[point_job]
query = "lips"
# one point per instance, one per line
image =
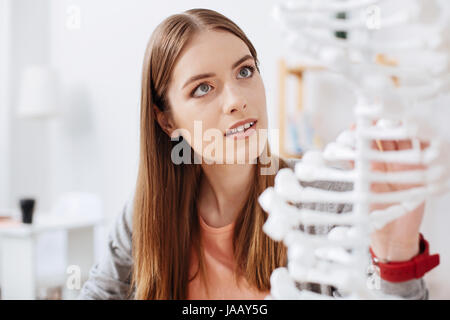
(240, 126)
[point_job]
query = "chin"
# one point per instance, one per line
(247, 154)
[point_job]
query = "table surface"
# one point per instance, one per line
(47, 222)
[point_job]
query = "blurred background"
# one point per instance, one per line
(70, 76)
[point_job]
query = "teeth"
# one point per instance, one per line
(240, 128)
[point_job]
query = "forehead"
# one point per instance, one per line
(208, 51)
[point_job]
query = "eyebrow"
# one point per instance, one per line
(207, 75)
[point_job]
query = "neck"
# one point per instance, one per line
(223, 191)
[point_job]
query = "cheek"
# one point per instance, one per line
(207, 130)
(258, 102)
(196, 125)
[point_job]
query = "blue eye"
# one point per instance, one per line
(245, 71)
(203, 88)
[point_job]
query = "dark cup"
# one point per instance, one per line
(27, 207)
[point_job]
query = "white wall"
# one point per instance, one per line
(29, 143)
(5, 47)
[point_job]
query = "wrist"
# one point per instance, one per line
(416, 267)
(394, 250)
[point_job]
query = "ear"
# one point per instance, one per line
(164, 121)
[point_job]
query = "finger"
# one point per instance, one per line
(390, 145)
(424, 144)
(381, 187)
(381, 206)
(404, 144)
(394, 166)
(352, 164)
(384, 145)
(408, 144)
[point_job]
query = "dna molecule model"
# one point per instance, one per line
(397, 65)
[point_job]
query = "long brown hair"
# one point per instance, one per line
(165, 222)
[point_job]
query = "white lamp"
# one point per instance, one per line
(39, 92)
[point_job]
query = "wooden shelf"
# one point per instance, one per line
(284, 72)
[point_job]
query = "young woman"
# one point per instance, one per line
(193, 229)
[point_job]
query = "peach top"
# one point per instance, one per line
(219, 263)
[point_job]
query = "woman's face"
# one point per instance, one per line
(215, 86)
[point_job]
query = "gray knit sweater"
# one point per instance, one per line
(110, 278)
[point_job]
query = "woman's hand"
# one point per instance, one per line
(399, 239)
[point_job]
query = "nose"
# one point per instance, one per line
(234, 100)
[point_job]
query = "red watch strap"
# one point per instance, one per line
(407, 270)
